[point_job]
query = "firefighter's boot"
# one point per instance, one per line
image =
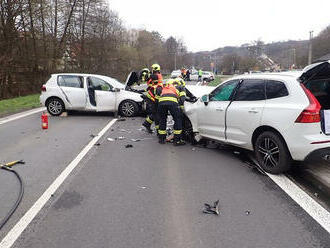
(147, 126)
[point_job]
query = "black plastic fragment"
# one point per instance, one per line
(208, 209)
(129, 146)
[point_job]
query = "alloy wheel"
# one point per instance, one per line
(55, 107)
(128, 109)
(270, 152)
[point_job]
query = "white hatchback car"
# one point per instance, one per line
(89, 92)
(280, 116)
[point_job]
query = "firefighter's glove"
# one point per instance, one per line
(144, 97)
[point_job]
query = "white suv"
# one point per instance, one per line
(281, 116)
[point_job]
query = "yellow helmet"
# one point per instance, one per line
(180, 81)
(155, 67)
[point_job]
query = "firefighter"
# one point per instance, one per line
(144, 75)
(155, 81)
(171, 96)
(182, 84)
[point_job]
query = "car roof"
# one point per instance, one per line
(271, 75)
(114, 80)
(80, 74)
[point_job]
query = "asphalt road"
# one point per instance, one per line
(149, 195)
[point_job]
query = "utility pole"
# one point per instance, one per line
(294, 57)
(175, 60)
(310, 47)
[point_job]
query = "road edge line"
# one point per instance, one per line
(28, 217)
(21, 115)
(313, 208)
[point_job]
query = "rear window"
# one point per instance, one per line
(70, 81)
(275, 89)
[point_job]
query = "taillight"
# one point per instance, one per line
(43, 88)
(312, 113)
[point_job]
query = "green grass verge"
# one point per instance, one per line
(18, 104)
(219, 79)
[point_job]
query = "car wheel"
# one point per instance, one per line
(128, 108)
(271, 153)
(55, 106)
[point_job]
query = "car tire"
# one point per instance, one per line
(272, 153)
(55, 106)
(128, 108)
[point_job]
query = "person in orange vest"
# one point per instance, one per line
(155, 81)
(171, 96)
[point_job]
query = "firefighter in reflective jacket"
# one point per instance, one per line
(155, 81)
(170, 97)
(182, 84)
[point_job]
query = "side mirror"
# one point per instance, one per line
(115, 90)
(205, 99)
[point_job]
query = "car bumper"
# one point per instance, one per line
(301, 144)
(319, 154)
(42, 99)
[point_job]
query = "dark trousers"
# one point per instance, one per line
(153, 116)
(175, 111)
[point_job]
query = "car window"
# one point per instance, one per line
(275, 89)
(251, 90)
(224, 91)
(98, 84)
(70, 81)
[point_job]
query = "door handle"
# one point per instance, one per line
(253, 111)
(219, 109)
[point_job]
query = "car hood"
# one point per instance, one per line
(132, 78)
(319, 70)
(199, 91)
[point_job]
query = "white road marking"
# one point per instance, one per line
(22, 224)
(21, 115)
(314, 209)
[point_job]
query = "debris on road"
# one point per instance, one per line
(110, 139)
(247, 212)
(93, 135)
(170, 139)
(120, 138)
(124, 130)
(212, 209)
(143, 187)
(193, 149)
(137, 140)
(129, 146)
(97, 144)
(121, 119)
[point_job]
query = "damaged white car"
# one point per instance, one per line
(89, 92)
(280, 116)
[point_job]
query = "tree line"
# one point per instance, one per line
(40, 37)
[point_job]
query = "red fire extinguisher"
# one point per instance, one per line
(44, 121)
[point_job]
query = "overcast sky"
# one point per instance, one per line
(210, 24)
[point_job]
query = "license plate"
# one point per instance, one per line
(326, 121)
